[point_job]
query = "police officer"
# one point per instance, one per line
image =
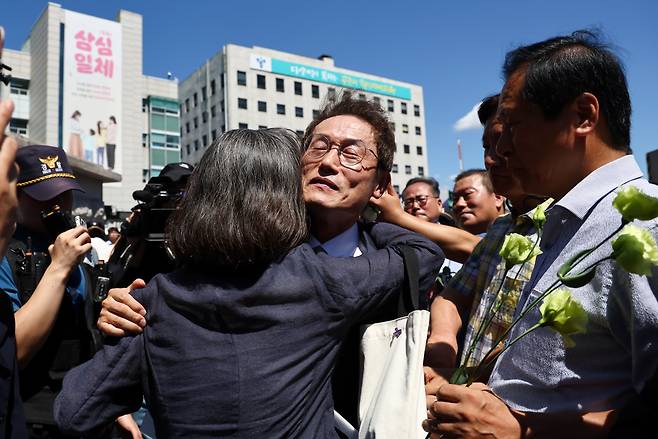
(42, 277)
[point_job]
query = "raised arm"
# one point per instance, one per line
(457, 244)
(36, 318)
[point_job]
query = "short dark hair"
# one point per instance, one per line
(561, 68)
(112, 229)
(486, 180)
(244, 203)
(431, 182)
(370, 112)
(488, 108)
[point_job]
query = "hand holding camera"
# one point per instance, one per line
(69, 248)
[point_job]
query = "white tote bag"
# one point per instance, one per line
(392, 401)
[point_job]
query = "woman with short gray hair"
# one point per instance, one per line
(243, 337)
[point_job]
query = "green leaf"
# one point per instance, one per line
(460, 376)
(578, 280)
(567, 265)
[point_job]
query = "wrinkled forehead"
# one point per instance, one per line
(471, 182)
(511, 92)
(346, 126)
(416, 189)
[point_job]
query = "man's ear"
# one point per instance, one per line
(587, 110)
(500, 201)
(383, 179)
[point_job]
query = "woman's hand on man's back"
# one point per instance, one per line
(121, 314)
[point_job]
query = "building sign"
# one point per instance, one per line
(91, 101)
(267, 64)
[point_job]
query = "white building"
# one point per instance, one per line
(242, 87)
(68, 53)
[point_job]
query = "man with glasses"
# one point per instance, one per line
(348, 156)
(421, 198)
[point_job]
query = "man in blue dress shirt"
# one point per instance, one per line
(565, 111)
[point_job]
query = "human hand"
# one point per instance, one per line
(128, 428)
(388, 204)
(434, 379)
(121, 313)
(471, 412)
(69, 248)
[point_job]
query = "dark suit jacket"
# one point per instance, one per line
(241, 355)
(346, 378)
(12, 418)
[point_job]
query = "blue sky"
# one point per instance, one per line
(454, 50)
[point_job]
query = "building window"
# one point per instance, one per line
(187, 127)
(362, 96)
(204, 93)
(212, 88)
(260, 81)
(280, 109)
(298, 88)
(223, 128)
(419, 150)
(397, 188)
(392, 125)
(377, 101)
(221, 105)
(187, 148)
(242, 77)
(421, 171)
(196, 123)
(403, 107)
(331, 93)
(418, 131)
(204, 117)
(416, 110)
(315, 91)
(394, 169)
(299, 112)
(406, 149)
(262, 127)
(145, 175)
(205, 140)
(242, 103)
(316, 113)
(196, 145)
(262, 106)
(187, 105)
(213, 111)
(300, 133)
(196, 100)
(214, 135)
(405, 128)
(18, 87)
(243, 126)
(407, 169)
(279, 85)
(391, 106)
(145, 140)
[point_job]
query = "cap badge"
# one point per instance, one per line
(50, 164)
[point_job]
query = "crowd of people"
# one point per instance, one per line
(256, 332)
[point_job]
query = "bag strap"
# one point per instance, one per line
(410, 299)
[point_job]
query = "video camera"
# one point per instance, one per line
(142, 250)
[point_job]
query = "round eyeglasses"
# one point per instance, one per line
(421, 199)
(351, 152)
